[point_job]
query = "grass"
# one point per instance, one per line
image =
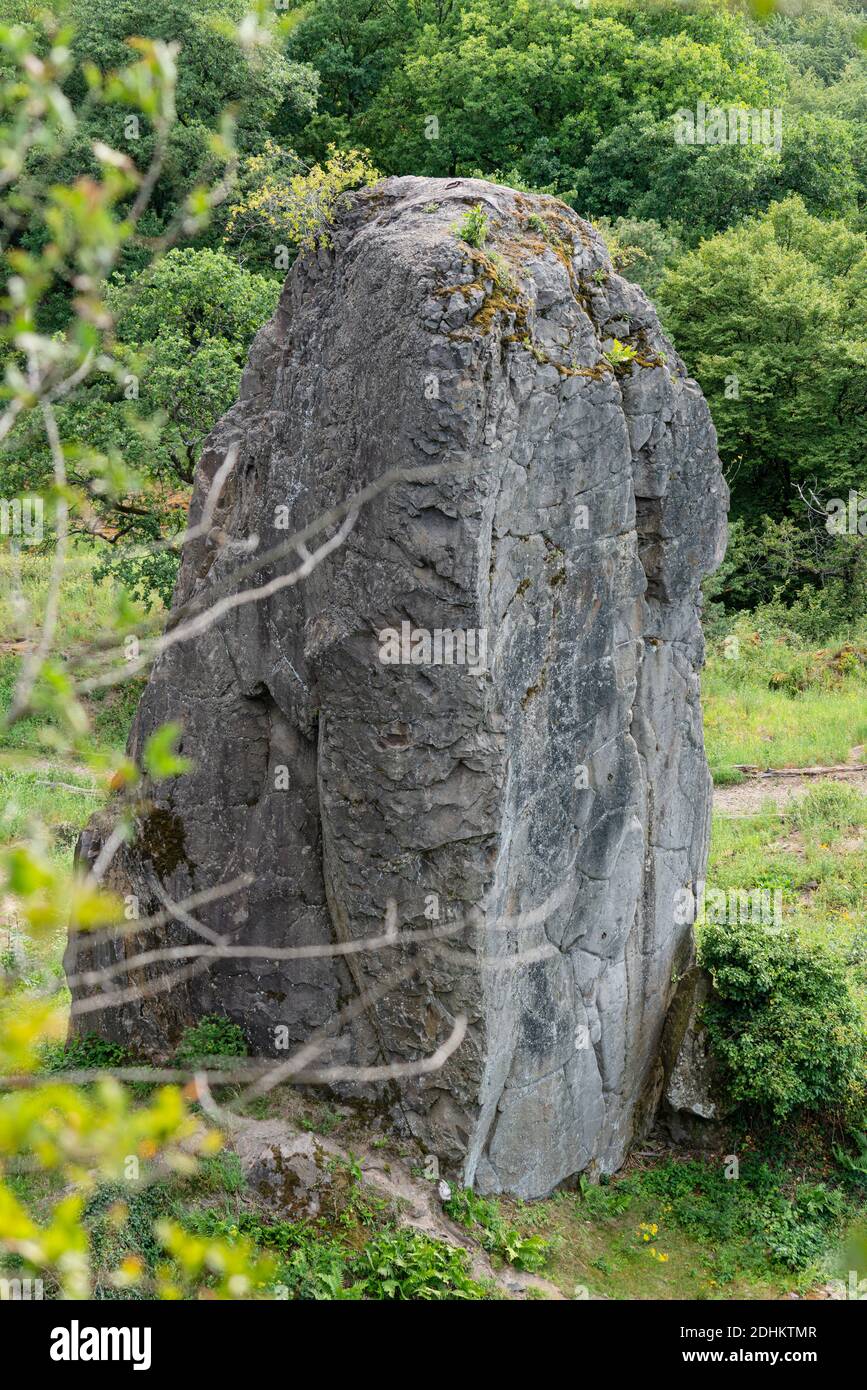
(40, 786)
(87, 612)
(86, 608)
(600, 1254)
(765, 729)
(681, 1230)
(814, 852)
(61, 799)
(473, 227)
(355, 1251)
(483, 1218)
(771, 701)
(318, 1261)
(768, 698)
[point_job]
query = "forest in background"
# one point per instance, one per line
(755, 255)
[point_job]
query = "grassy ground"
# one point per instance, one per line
(673, 1227)
(669, 1227)
(356, 1249)
(771, 701)
(87, 612)
(814, 852)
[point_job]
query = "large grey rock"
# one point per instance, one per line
(558, 798)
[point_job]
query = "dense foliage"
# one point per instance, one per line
(756, 249)
(782, 1021)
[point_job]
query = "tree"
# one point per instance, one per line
(822, 39)
(218, 80)
(284, 207)
(641, 250)
(772, 319)
(513, 81)
(78, 1139)
(353, 45)
(215, 72)
(638, 170)
(183, 330)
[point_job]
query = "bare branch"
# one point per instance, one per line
(34, 660)
(364, 945)
(107, 853)
(245, 1068)
(290, 545)
(161, 919)
(196, 626)
(97, 1002)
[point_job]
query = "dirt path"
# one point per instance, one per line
(22, 760)
(748, 797)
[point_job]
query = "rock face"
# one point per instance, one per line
(535, 805)
(691, 1104)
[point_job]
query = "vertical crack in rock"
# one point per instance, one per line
(552, 799)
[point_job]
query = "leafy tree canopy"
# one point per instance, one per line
(772, 318)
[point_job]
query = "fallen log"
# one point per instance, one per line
(837, 770)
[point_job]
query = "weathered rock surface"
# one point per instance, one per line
(553, 800)
(691, 1106)
(294, 1176)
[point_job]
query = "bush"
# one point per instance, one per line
(122, 1221)
(805, 579)
(763, 649)
(640, 249)
(213, 1036)
(396, 1263)
(405, 1264)
(299, 206)
(754, 1217)
(84, 1054)
(781, 1020)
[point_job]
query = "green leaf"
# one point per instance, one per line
(160, 758)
